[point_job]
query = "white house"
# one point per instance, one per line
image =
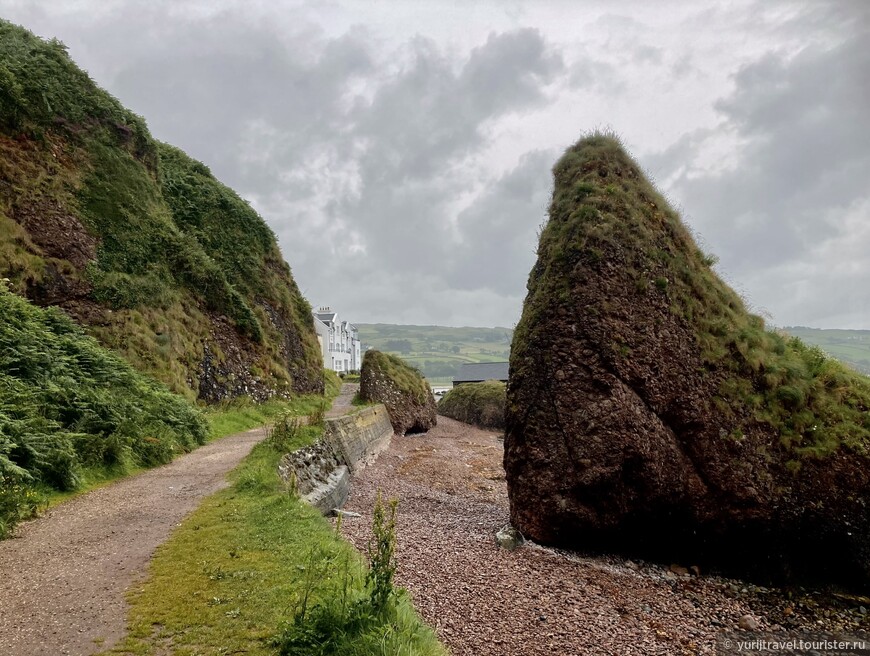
(339, 341)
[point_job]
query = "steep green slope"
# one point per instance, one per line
(139, 242)
(67, 404)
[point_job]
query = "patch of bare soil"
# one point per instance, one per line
(485, 601)
(63, 576)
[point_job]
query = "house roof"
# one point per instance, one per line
(475, 371)
(326, 317)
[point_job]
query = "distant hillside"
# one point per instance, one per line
(137, 241)
(438, 351)
(849, 346)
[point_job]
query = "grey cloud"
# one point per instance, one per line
(499, 229)
(422, 126)
(646, 54)
(804, 128)
(595, 74)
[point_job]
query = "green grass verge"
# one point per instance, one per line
(238, 569)
(235, 416)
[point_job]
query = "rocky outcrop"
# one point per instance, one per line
(321, 472)
(649, 413)
(386, 379)
(481, 404)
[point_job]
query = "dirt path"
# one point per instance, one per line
(487, 601)
(343, 403)
(63, 577)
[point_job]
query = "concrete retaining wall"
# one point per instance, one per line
(321, 472)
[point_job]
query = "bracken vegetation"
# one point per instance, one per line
(481, 404)
(814, 402)
(69, 407)
(136, 240)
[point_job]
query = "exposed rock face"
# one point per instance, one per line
(386, 379)
(648, 413)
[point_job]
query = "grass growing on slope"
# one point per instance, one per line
(476, 403)
(438, 351)
(71, 412)
(148, 234)
(396, 370)
(605, 212)
(237, 572)
(241, 413)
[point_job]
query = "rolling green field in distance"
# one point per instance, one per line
(438, 351)
(851, 347)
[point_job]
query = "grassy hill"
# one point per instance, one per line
(139, 242)
(851, 347)
(438, 351)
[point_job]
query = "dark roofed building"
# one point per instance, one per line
(477, 372)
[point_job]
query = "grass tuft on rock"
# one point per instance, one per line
(402, 375)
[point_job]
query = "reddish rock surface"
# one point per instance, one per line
(619, 436)
(386, 379)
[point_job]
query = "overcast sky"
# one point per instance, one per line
(401, 151)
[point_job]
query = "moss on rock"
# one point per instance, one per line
(139, 242)
(648, 411)
(386, 379)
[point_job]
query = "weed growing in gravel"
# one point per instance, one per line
(354, 616)
(382, 554)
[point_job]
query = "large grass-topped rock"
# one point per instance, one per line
(481, 404)
(649, 413)
(139, 242)
(386, 379)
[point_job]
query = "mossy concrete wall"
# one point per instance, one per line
(322, 471)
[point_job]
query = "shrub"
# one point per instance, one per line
(481, 404)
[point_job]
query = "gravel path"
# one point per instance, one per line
(63, 576)
(487, 601)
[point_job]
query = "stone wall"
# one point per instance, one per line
(322, 471)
